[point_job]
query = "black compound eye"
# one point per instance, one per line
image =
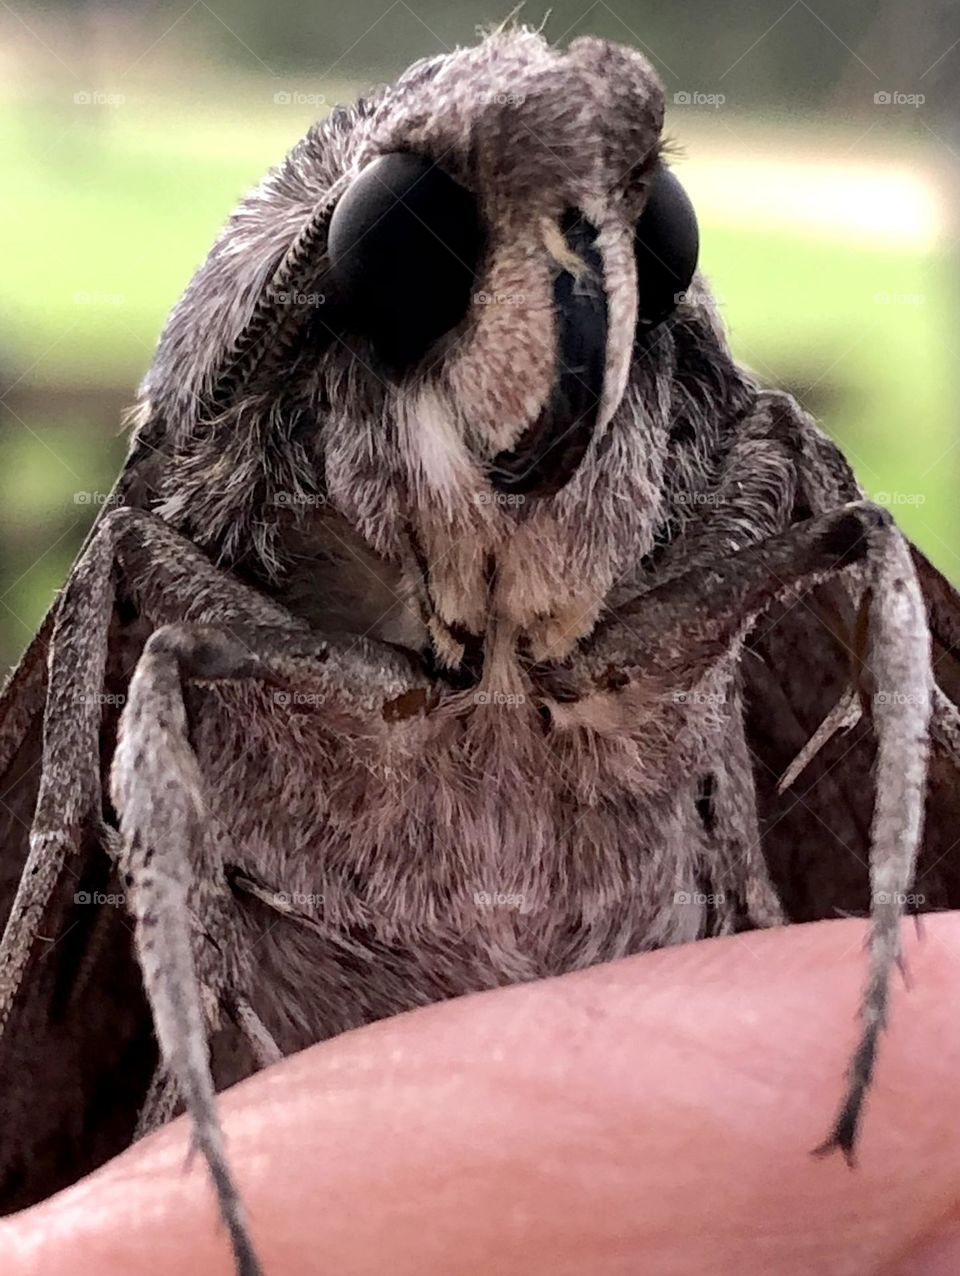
(403, 247)
(667, 242)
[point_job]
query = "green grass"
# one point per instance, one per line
(805, 313)
(120, 205)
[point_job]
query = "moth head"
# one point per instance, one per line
(506, 226)
(486, 384)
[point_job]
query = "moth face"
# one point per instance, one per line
(445, 312)
(486, 245)
(505, 229)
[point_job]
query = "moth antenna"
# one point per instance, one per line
(277, 319)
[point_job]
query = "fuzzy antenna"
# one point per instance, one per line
(280, 311)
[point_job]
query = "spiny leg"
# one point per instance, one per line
(170, 860)
(846, 713)
(899, 661)
(171, 580)
(672, 635)
(160, 1105)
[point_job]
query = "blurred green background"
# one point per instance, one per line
(821, 149)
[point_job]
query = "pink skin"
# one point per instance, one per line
(651, 1116)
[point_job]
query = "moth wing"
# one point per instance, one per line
(815, 835)
(77, 1052)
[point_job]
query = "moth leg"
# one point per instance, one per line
(160, 1105)
(846, 713)
(173, 870)
(265, 1049)
(672, 635)
(946, 725)
(898, 660)
(171, 580)
(171, 873)
(163, 1097)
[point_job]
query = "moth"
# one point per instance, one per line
(463, 614)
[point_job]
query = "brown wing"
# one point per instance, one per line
(77, 1052)
(815, 836)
